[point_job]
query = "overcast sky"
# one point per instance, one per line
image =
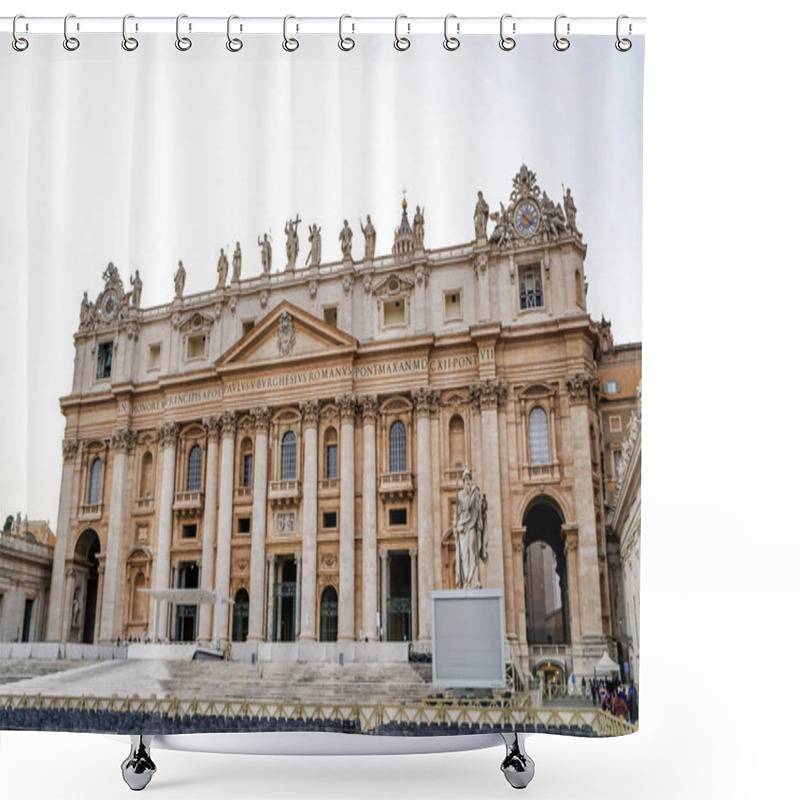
(147, 157)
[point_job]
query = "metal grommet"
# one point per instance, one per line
(233, 45)
(289, 44)
(507, 42)
(183, 43)
(345, 42)
(451, 42)
(561, 43)
(401, 42)
(19, 43)
(129, 43)
(623, 45)
(70, 42)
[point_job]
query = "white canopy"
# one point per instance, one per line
(606, 665)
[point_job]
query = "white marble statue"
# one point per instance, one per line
(469, 528)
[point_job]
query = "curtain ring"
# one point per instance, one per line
(233, 45)
(451, 42)
(183, 43)
(345, 43)
(70, 42)
(289, 45)
(623, 45)
(129, 43)
(19, 43)
(507, 42)
(561, 43)
(401, 42)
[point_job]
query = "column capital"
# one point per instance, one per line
(270, 558)
(212, 426)
(310, 411)
(384, 553)
(227, 422)
(123, 440)
(583, 388)
(488, 393)
(412, 551)
(261, 416)
(368, 404)
(426, 401)
(69, 449)
(347, 406)
(167, 434)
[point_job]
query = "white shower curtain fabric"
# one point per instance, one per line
(154, 300)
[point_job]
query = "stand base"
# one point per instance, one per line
(517, 766)
(138, 768)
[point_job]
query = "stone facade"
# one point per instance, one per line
(297, 441)
(26, 559)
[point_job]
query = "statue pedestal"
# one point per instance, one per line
(468, 629)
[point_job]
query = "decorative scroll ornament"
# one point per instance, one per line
(369, 408)
(167, 434)
(310, 411)
(347, 406)
(212, 426)
(124, 439)
(286, 333)
(260, 416)
(69, 449)
(582, 388)
(426, 401)
(489, 393)
(228, 422)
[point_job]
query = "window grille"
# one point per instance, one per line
(289, 457)
(95, 479)
(247, 470)
(397, 447)
(530, 290)
(537, 431)
(194, 475)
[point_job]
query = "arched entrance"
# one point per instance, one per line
(328, 615)
(545, 569)
(241, 614)
(83, 603)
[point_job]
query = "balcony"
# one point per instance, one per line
(396, 486)
(540, 473)
(90, 511)
(328, 487)
(188, 502)
(243, 495)
(284, 493)
(143, 505)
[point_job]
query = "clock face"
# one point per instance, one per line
(108, 306)
(526, 218)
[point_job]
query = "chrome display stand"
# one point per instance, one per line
(138, 768)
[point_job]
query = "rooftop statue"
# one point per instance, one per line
(180, 280)
(369, 239)
(237, 263)
(419, 228)
(136, 294)
(346, 239)
(315, 237)
(292, 242)
(222, 269)
(266, 253)
(481, 216)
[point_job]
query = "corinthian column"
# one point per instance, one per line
(308, 592)
(489, 394)
(225, 520)
(347, 529)
(255, 630)
(167, 438)
(58, 601)
(123, 441)
(369, 526)
(211, 424)
(425, 403)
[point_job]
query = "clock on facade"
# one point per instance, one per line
(526, 218)
(109, 304)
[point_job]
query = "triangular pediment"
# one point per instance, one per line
(287, 334)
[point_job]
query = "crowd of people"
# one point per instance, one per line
(619, 699)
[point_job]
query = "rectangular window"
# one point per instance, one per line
(530, 287)
(331, 316)
(615, 424)
(611, 387)
(196, 346)
(154, 358)
(105, 352)
(247, 470)
(247, 326)
(452, 306)
(243, 525)
(398, 516)
(329, 519)
(332, 461)
(189, 531)
(394, 312)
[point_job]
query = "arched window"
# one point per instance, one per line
(331, 454)
(537, 434)
(397, 447)
(289, 457)
(457, 444)
(146, 475)
(95, 479)
(194, 475)
(247, 462)
(328, 615)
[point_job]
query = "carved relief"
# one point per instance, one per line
(285, 523)
(481, 264)
(263, 298)
(286, 334)
(421, 275)
(328, 561)
(347, 282)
